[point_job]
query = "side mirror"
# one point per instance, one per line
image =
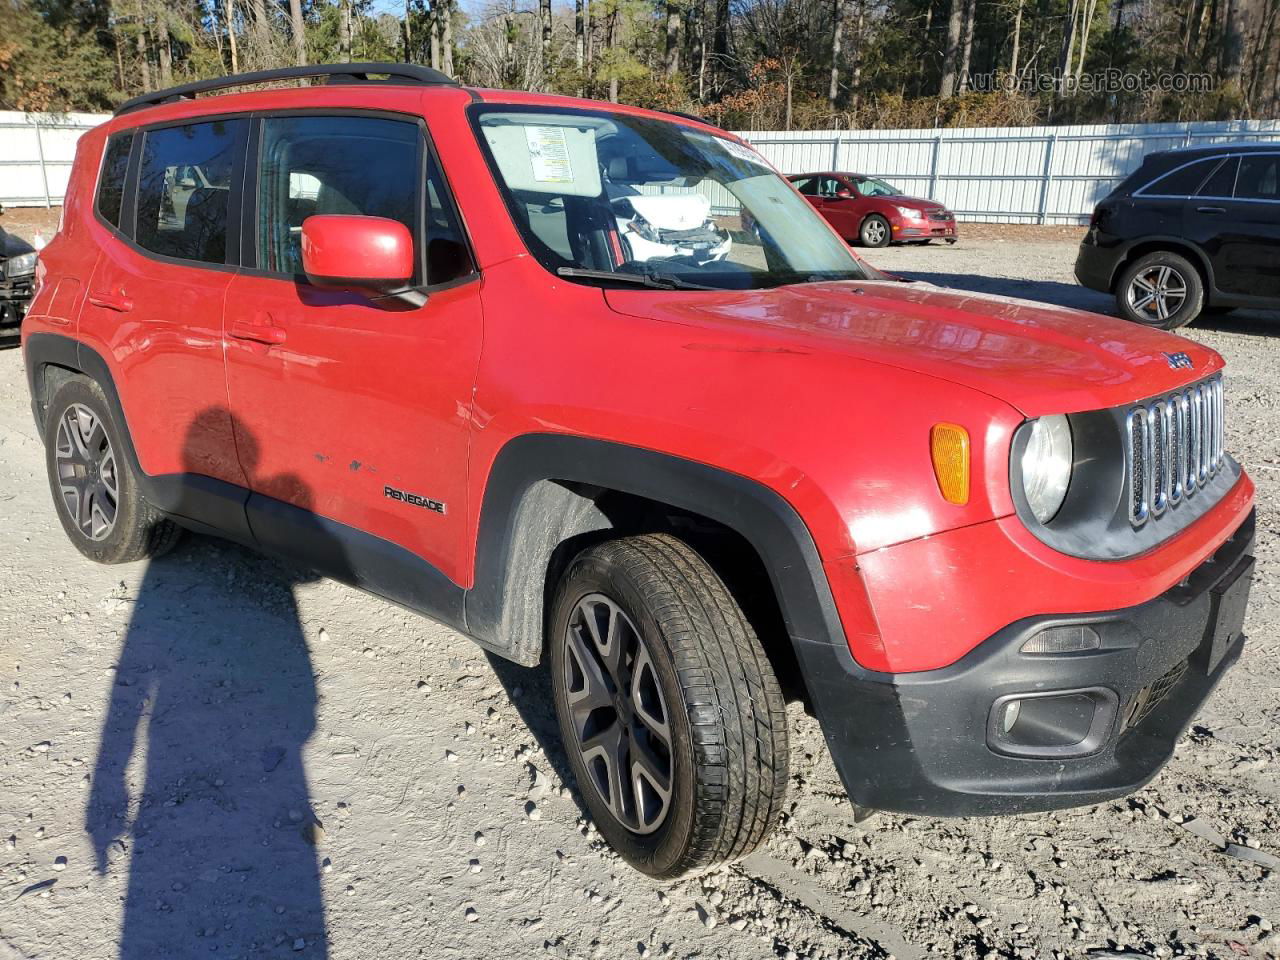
(844, 193)
(363, 253)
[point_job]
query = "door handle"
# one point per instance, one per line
(258, 333)
(1211, 209)
(111, 301)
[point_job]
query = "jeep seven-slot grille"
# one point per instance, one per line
(1173, 446)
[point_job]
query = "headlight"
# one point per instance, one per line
(1046, 466)
(645, 229)
(911, 213)
(21, 265)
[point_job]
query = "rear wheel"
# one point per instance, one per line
(94, 488)
(875, 231)
(1160, 289)
(670, 712)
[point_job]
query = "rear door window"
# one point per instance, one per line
(1183, 182)
(115, 163)
(1259, 177)
(184, 189)
(1222, 181)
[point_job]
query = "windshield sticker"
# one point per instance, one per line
(744, 153)
(549, 154)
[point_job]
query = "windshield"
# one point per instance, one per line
(607, 198)
(871, 187)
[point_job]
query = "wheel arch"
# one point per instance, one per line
(1176, 245)
(548, 496)
(50, 359)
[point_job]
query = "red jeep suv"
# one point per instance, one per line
(517, 362)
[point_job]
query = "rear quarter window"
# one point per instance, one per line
(1182, 182)
(115, 163)
(184, 189)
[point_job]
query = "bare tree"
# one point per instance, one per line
(966, 48)
(951, 53)
(1067, 50)
(1017, 40)
(839, 15)
(344, 30)
(672, 65)
(544, 20)
(299, 37)
(1233, 35)
(1087, 10)
(446, 36)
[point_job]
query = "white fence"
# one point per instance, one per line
(36, 151)
(1001, 174)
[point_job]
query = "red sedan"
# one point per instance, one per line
(873, 212)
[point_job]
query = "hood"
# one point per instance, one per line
(1039, 358)
(918, 202)
(673, 212)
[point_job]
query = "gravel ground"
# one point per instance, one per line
(215, 755)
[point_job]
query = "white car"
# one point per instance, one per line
(662, 226)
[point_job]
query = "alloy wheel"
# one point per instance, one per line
(1157, 292)
(619, 714)
(874, 231)
(87, 475)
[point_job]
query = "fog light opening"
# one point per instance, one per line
(1068, 723)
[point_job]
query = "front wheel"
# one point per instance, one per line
(875, 231)
(1161, 290)
(670, 712)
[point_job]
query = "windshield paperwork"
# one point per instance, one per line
(609, 199)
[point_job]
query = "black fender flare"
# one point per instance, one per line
(764, 518)
(200, 502)
(1179, 245)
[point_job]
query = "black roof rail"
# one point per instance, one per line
(691, 116)
(395, 73)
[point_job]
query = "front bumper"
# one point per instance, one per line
(905, 229)
(15, 297)
(928, 742)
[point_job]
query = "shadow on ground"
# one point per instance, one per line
(199, 790)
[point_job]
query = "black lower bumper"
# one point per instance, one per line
(1096, 266)
(931, 743)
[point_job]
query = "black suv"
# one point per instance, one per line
(17, 271)
(1191, 231)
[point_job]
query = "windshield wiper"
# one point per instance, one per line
(656, 281)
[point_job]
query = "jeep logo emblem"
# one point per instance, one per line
(1178, 361)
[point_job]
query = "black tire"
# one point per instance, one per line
(723, 709)
(875, 231)
(136, 529)
(1160, 289)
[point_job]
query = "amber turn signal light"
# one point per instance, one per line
(949, 448)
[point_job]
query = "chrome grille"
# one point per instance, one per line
(1173, 447)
